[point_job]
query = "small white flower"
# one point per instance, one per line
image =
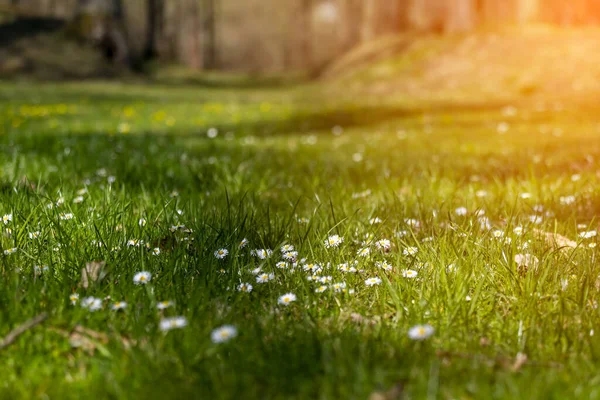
(167, 324)
(244, 287)
(461, 211)
(141, 278)
(481, 193)
(312, 268)
(8, 252)
(338, 287)
(526, 261)
(142, 222)
(243, 243)
(119, 305)
(420, 332)
(325, 279)
(221, 253)
(346, 268)
(134, 243)
(321, 289)
(91, 303)
(286, 299)
(333, 241)
(65, 216)
(413, 223)
(375, 220)
(164, 304)
(262, 253)
(74, 298)
(264, 278)
(282, 265)
(286, 247)
(567, 200)
(409, 273)
(290, 255)
(364, 252)
(156, 251)
(78, 199)
(7, 218)
(410, 251)
(373, 281)
(34, 235)
(588, 234)
(383, 244)
(383, 265)
(223, 334)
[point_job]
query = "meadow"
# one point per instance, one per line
(288, 243)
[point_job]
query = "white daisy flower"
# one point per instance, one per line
(91, 303)
(383, 244)
(461, 211)
(8, 252)
(163, 305)
(78, 199)
(7, 219)
(223, 334)
(74, 298)
(286, 247)
(221, 253)
(264, 278)
(134, 243)
(34, 235)
(588, 234)
(243, 243)
(420, 332)
(567, 200)
(375, 220)
(167, 324)
(364, 252)
(290, 255)
(262, 253)
(413, 223)
(141, 278)
(346, 268)
(410, 251)
(286, 299)
(313, 268)
(338, 287)
(325, 279)
(119, 305)
(333, 241)
(373, 281)
(409, 273)
(65, 216)
(303, 220)
(282, 265)
(383, 265)
(156, 251)
(244, 287)
(321, 289)
(142, 222)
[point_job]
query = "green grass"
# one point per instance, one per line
(276, 174)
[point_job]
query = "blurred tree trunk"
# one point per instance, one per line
(209, 33)
(369, 20)
(154, 14)
(306, 33)
(460, 16)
